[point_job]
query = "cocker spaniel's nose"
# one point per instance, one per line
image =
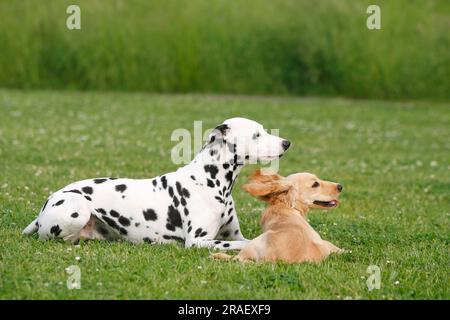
(285, 144)
(340, 187)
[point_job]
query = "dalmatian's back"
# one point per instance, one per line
(138, 210)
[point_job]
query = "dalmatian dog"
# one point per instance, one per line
(192, 205)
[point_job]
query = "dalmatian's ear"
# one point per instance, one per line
(219, 133)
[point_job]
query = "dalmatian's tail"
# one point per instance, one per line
(32, 227)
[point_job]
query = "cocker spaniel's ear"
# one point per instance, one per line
(264, 175)
(266, 186)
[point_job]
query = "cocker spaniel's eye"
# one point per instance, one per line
(316, 184)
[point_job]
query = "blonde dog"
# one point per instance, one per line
(287, 234)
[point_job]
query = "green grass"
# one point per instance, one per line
(392, 158)
(244, 47)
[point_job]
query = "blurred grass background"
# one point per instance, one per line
(283, 47)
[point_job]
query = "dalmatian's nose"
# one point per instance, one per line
(285, 144)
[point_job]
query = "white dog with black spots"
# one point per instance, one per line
(193, 205)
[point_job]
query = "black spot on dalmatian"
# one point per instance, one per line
(173, 219)
(189, 222)
(226, 245)
(88, 198)
(210, 183)
(74, 215)
(98, 181)
(100, 210)
(217, 182)
(223, 214)
(114, 225)
(230, 187)
(60, 202)
(87, 190)
(183, 202)
(56, 230)
(236, 232)
(193, 178)
(229, 220)
(45, 205)
(229, 176)
(186, 193)
(217, 242)
(137, 224)
(230, 210)
(150, 215)
(200, 233)
(226, 234)
(121, 188)
(226, 166)
(234, 148)
(124, 221)
(219, 199)
(179, 189)
(171, 192)
(168, 237)
(113, 178)
(154, 182)
(147, 240)
(212, 169)
(190, 229)
(176, 202)
(73, 191)
(164, 182)
(114, 213)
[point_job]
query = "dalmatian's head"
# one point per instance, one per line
(243, 141)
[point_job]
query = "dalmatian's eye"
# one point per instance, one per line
(256, 135)
(316, 184)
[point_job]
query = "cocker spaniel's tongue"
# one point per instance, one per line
(332, 203)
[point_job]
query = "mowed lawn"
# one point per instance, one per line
(393, 159)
